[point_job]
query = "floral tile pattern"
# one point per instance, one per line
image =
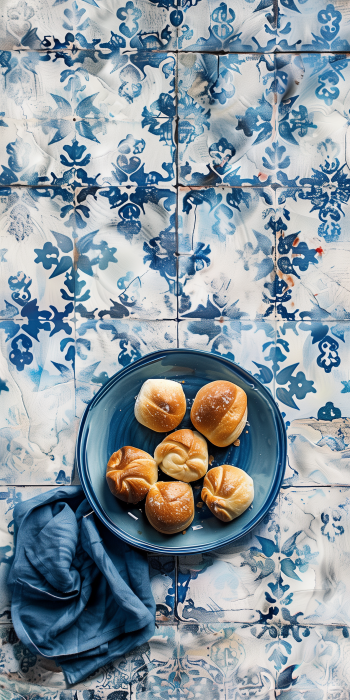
(177, 174)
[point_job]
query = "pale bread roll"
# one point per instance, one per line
(160, 405)
(183, 455)
(219, 412)
(228, 491)
(131, 473)
(170, 506)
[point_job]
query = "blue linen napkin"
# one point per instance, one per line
(79, 594)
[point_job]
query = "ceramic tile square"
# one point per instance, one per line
(316, 26)
(104, 347)
(115, 27)
(37, 336)
(163, 575)
(233, 584)
(315, 551)
(210, 25)
(124, 153)
(126, 253)
(311, 365)
(312, 661)
(313, 119)
(227, 117)
(229, 240)
(313, 252)
(216, 661)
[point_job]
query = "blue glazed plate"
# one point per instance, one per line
(109, 423)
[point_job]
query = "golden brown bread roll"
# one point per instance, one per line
(130, 474)
(170, 506)
(219, 412)
(183, 455)
(160, 405)
(228, 491)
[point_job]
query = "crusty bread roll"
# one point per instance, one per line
(219, 411)
(227, 491)
(170, 506)
(160, 405)
(131, 473)
(183, 455)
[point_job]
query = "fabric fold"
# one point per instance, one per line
(79, 594)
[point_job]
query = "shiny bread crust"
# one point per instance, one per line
(130, 474)
(160, 405)
(227, 491)
(219, 412)
(170, 506)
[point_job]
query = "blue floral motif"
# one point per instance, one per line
(298, 386)
(328, 357)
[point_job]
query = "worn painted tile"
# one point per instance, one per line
(312, 661)
(127, 262)
(232, 584)
(162, 572)
(229, 26)
(313, 118)
(315, 550)
(313, 251)
(317, 25)
(58, 86)
(115, 27)
(217, 661)
(226, 119)
(98, 358)
(125, 153)
(247, 343)
(311, 365)
(229, 240)
(37, 336)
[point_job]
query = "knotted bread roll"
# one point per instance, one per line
(183, 455)
(227, 491)
(219, 412)
(160, 405)
(170, 506)
(130, 474)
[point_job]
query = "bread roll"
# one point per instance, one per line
(160, 405)
(170, 506)
(227, 491)
(131, 473)
(183, 455)
(219, 412)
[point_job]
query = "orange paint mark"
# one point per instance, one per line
(290, 281)
(262, 177)
(296, 241)
(320, 251)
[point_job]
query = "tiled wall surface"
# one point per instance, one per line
(175, 173)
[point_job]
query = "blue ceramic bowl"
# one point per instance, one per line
(109, 423)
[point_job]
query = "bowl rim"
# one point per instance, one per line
(150, 358)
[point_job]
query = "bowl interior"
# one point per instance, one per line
(109, 423)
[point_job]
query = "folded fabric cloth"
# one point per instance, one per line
(79, 594)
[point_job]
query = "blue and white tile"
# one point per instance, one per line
(312, 662)
(219, 661)
(124, 153)
(227, 252)
(126, 244)
(163, 582)
(235, 583)
(37, 336)
(104, 347)
(227, 118)
(28, 156)
(211, 25)
(247, 343)
(317, 25)
(313, 251)
(315, 549)
(311, 365)
(313, 118)
(115, 27)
